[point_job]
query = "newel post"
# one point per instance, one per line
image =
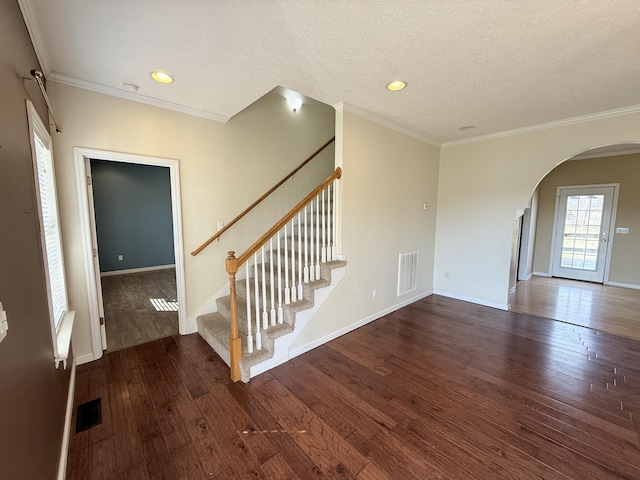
(235, 344)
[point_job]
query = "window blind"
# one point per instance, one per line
(50, 227)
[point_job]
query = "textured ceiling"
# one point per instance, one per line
(496, 64)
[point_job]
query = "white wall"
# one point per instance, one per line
(481, 185)
(387, 177)
(223, 169)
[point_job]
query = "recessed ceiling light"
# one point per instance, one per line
(161, 77)
(467, 127)
(396, 85)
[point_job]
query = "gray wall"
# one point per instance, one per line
(133, 215)
(624, 169)
(32, 392)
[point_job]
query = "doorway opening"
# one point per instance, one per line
(577, 247)
(155, 267)
(134, 236)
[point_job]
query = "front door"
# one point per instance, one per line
(582, 232)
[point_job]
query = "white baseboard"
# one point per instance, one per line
(542, 274)
(136, 270)
(527, 277)
(191, 326)
(349, 328)
(64, 450)
(82, 359)
(479, 301)
(624, 285)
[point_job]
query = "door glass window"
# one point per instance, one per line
(582, 228)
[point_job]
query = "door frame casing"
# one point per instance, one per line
(87, 225)
(612, 221)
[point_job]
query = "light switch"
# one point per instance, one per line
(622, 230)
(4, 325)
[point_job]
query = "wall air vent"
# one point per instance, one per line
(407, 272)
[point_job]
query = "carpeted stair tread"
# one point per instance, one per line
(215, 327)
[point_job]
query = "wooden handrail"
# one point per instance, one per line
(254, 204)
(292, 213)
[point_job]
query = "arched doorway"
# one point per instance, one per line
(544, 286)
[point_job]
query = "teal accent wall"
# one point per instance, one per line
(133, 215)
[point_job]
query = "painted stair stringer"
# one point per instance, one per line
(214, 327)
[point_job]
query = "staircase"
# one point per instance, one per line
(214, 327)
(276, 286)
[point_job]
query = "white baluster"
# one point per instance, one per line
(324, 231)
(312, 270)
(280, 310)
(318, 237)
(294, 290)
(248, 298)
(329, 223)
(265, 315)
(334, 243)
(257, 300)
(306, 248)
(299, 257)
(287, 293)
(272, 284)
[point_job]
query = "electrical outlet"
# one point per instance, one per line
(220, 225)
(473, 279)
(447, 275)
(120, 258)
(374, 293)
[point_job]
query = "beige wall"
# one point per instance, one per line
(481, 185)
(387, 178)
(33, 393)
(223, 169)
(625, 255)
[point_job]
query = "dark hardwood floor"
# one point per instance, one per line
(131, 316)
(440, 389)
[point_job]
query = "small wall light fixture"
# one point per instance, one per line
(294, 103)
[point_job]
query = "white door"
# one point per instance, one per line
(582, 231)
(96, 259)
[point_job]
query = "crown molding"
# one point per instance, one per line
(134, 97)
(632, 148)
(544, 126)
(343, 106)
(26, 7)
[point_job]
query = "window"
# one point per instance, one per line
(60, 316)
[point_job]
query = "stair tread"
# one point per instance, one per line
(215, 327)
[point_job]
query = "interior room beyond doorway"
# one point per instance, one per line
(139, 307)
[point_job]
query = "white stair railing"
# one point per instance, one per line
(307, 235)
